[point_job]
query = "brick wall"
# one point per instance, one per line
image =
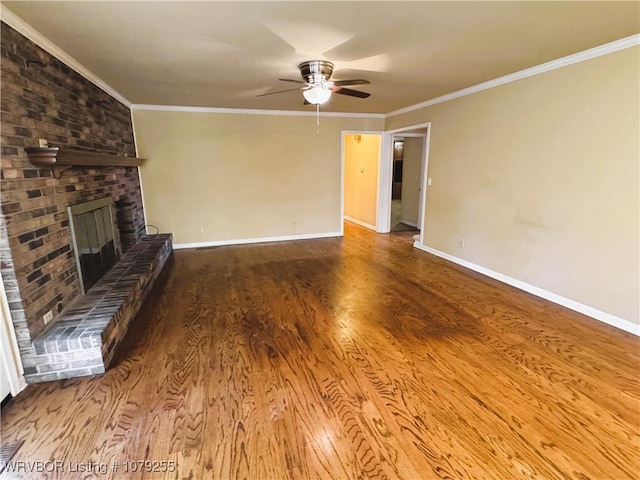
(43, 98)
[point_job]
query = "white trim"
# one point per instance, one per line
(133, 129)
(410, 224)
(378, 178)
(9, 344)
(360, 222)
(385, 173)
(411, 127)
(246, 241)
(425, 182)
(385, 191)
(43, 42)
(342, 167)
(424, 164)
(144, 206)
(604, 317)
(251, 111)
(385, 217)
(362, 132)
(410, 135)
(607, 48)
(135, 144)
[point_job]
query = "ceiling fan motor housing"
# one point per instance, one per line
(316, 72)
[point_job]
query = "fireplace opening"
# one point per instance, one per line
(94, 240)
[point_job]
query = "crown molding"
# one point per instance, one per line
(250, 111)
(28, 31)
(607, 48)
(17, 23)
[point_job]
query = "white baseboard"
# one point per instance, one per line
(360, 222)
(605, 317)
(245, 241)
(411, 224)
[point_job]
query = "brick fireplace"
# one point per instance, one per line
(42, 98)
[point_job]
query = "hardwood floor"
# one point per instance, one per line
(342, 359)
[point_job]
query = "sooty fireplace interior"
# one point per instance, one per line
(94, 241)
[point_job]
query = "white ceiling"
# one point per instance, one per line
(222, 54)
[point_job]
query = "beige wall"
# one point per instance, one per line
(361, 163)
(241, 176)
(541, 179)
(411, 168)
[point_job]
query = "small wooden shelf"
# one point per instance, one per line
(55, 156)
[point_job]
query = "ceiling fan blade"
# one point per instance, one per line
(279, 91)
(351, 93)
(357, 81)
(290, 80)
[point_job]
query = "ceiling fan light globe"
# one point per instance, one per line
(317, 95)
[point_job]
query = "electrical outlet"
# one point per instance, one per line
(43, 143)
(200, 229)
(47, 317)
(462, 243)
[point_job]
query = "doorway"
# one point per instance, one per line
(361, 154)
(408, 153)
(403, 179)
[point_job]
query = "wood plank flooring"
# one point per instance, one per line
(354, 358)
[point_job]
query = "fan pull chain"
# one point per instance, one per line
(317, 119)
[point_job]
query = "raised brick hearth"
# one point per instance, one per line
(42, 98)
(83, 340)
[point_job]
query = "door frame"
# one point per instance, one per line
(386, 174)
(423, 136)
(9, 346)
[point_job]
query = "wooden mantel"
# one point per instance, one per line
(56, 156)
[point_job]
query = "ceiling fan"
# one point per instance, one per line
(318, 87)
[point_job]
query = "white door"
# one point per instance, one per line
(11, 378)
(412, 180)
(5, 385)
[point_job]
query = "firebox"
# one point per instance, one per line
(95, 243)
